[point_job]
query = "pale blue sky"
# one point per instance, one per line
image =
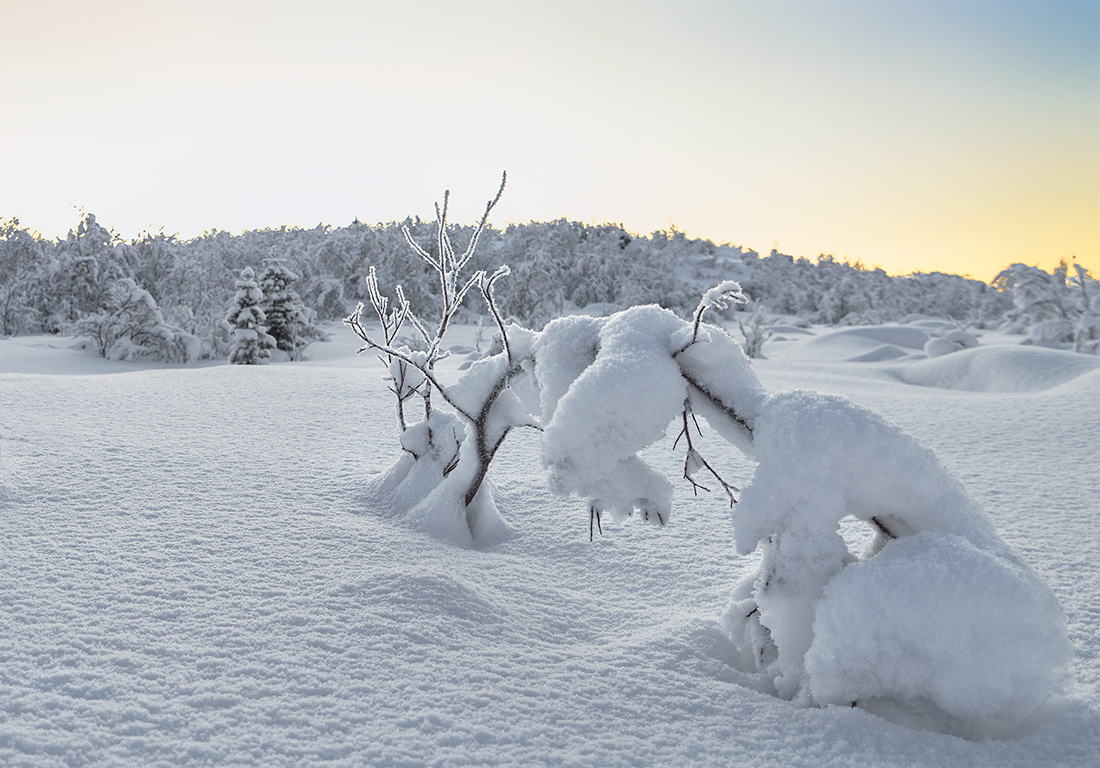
(951, 136)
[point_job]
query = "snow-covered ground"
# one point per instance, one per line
(189, 574)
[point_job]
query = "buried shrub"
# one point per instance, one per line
(937, 623)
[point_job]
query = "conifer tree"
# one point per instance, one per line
(288, 319)
(251, 343)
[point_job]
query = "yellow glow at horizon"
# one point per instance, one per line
(785, 126)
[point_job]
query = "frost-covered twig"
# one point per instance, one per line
(354, 321)
(719, 296)
(448, 266)
(391, 322)
(490, 300)
(694, 461)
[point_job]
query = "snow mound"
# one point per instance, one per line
(950, 341)
(425, 593)
(879, 354)
(849, 343)
(792, 330)
(936, 611)
(998, 369)
(892, 627)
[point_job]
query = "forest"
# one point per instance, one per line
(95, 282)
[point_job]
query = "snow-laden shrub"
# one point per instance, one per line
(20, 255)
(133, 327)
(607, 388)
(252, 344)
(1053, 309)
(949, 339)
(756, 331)
(935, 615)
(1086, 332)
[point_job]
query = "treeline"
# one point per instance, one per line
(48, 286)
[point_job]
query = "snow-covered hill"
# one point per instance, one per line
(189, 575)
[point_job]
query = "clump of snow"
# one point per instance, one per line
(948, 341)
(721, 296)
(614, 407)
(609, 388)
(426, 492)
(823, 624)
(716, 365)
(933, 617)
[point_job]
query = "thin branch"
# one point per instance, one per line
(454, 459)
(693, 456)
(490, 299)
(716, 401)
(472, 245)
(881, 526)
(432, 262)
(485, 452)
(594, 517)
(354, 323)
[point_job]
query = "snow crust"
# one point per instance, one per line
(188, 580)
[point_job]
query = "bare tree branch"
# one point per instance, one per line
(490, 299)
(694, 461)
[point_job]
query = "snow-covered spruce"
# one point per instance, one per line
(289, 321)
(251, 343)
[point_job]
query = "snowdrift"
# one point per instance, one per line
(191, 577)
(1002, 368)
(870, 343)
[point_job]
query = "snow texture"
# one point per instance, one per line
(172, 595)
(616, 406)
(935, 609)
(933, 617)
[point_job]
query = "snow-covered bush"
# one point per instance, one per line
(935, 615)
(935, 623)
(949, 339)
(133, 327)
(289, 321)
(756, 331)
(78, 281)
(1086, 332)
(606, 388)
(1052, 309)
(251, 343)
(21, 254)
(438, 483)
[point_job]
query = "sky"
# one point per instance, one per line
(915, 136)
